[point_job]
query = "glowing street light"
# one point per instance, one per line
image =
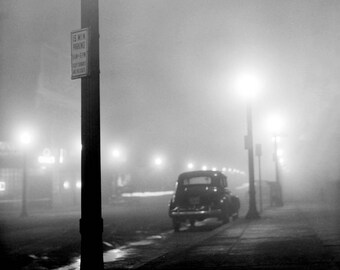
(116, 153)
(275, 124)
(25, 138)
(249, 85)
(190, 166)
(158, 161)
(66, 185)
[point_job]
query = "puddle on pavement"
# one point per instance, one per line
(117, 253)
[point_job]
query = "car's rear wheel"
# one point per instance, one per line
(225, 215)
(176, 224)
(225, 219)
(235, 216)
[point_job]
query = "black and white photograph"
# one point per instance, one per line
(169, 134)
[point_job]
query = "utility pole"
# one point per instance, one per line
(91, 222)
(252, 212)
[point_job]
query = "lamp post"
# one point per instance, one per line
(275, 123)
(252, 212)
(25, 140)
(248, 85)
(279, 201)
(258, 152)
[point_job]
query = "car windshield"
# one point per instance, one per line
(201, 180)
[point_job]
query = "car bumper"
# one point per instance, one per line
(193, 213)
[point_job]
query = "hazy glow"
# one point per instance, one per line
(25, 138)
(158, 161)
(116, 153)
(275, 124)
(2, 186)
(46, 159)
(78, 184)
(61, 156)
(276, 138)
(279, 152)
(66, 185)
(248, 85)
(190, 165)
(147, 194)
(204, 168)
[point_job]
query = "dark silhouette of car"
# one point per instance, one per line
(200, 195)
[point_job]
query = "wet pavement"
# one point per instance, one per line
(290, 237)
(296, 236)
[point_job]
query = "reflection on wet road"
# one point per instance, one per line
(135, 254)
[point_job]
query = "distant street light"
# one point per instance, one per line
(158, 161)
(25, 140)
(116, 153)
(190, 166)
(249, 85)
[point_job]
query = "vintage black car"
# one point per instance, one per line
(200, 195)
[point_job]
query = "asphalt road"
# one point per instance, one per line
(49, 239)
(135, 232)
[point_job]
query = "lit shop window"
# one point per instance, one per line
(2, 186)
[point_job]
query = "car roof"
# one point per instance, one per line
(199, 173)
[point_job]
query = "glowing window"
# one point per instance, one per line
(201, 180)
(2, 186)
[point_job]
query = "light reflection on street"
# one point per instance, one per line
(116, 254)
(147, 194)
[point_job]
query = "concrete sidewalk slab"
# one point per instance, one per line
(283, 238)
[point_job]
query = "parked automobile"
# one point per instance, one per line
(200, 195)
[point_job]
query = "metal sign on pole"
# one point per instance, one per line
(79, 53)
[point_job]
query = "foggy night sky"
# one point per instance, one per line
(167, 74)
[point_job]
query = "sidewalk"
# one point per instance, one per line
(283, 238)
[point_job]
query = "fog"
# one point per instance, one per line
(168, 72)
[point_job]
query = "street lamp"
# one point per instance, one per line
(158, 161)
(116, 153)
(25, 140)
(276, 123)
(248, 85)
